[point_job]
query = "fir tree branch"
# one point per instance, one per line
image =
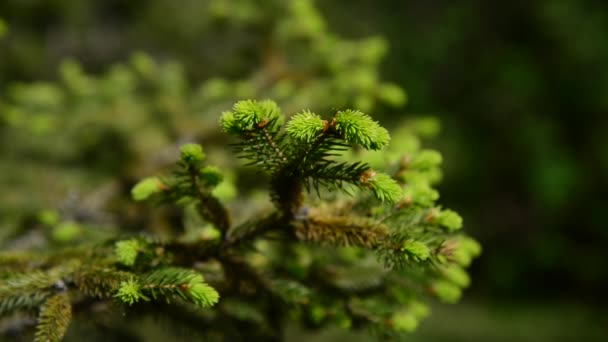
(341, 231)
(257, 123)
(210, 207)
(28, 290)
(250, 230)
(168, 283)
(99, 281)
(270, 140)
(54, 318)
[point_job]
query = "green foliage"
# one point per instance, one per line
(464, 250)
(310, 139)
(174, 282)
(211, 176)
(413, 238)
(426, 159)
(28, 290)
(447, 292)
(303, 64)
(168, 283)
(359, 128)
(54, 318)
(66, 232)
(384, 187)
(417, 250)
(365, 256)
(127, 250)
(457, 275)
(449, 219)
(306, 126)
(129, 292)
(404, 322)
(392, 94)
(192, 154)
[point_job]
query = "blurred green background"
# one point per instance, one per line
(521, 90)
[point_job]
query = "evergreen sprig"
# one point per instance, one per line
(54, 318)
(168, 283)
(28, 290)
(190, 182)
(306, 126)
(99, 281)
(360, 260)
(308, 156)
(358, 128)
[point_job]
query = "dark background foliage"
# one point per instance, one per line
(520, 88)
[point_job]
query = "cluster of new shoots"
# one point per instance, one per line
(304, 155)
(359, 260)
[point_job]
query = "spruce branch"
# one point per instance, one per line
(341, 231)
(351, 261)
(99, 281)
(168, 283)
(200, 179)
(308, 158)
(29, 290)
(306, 126)
(127, 250)
(130, 292)
(358, 128)
(416, 250)
(384, 187)
(189, 181)
(258, 124)
(210, 207)
(328, 260)
(54, 318)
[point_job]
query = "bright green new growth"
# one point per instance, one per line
(126, 251)
(447, 292)
(426, 159)
(385, 188)
(174, 282)
(392, 94)
(326, 261)
(450, 220)
(192, 153)
(145, 188)
(358, 128)
(129, 292)
(380, 249)
(306, 126)
(229, 124)
(211, 175)
(168, 283)
(202, 294)
(49, 217)
(465, 250)
(457, 275)
(417, 250)
(249, 113)
(306, 155)
(404, 322)
(66, 232)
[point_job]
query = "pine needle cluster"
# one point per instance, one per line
(346, 244)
